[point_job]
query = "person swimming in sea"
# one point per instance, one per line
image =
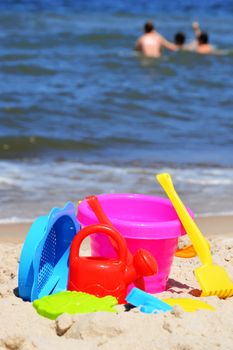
(151, 42)
(179, 40)
(203, 46)
(199, 45)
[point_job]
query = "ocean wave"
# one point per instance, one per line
(39, 186)
(211, 214)
(15, 220)
(33, 70)
(6, 181)
(120, 7)
(25, 146)
(16, 57)
(203, 176)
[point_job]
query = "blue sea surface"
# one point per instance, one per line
(81, 112)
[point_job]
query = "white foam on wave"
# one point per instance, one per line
(211, 214)
(15, 220)
(205, 176)
(16, 173)
(6, 181)
(29, 189)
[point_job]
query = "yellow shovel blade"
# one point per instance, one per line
(214, 280)
(188, 304)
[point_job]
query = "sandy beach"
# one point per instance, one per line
(22, 328)
(98, 97)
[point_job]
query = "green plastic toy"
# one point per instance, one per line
(54, 305)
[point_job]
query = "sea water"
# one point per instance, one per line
(82, 113)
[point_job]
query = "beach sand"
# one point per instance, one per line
(22, 328)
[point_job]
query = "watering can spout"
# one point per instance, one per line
(143, 264)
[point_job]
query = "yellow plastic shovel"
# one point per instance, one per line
(213, 279)
(189, 304)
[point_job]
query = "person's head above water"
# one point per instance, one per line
(203, 39)
(148, 27)
(179, 39)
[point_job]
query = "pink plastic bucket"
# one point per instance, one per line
(147, 222)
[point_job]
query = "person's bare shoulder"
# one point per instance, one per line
(207, 50)
(159, 37)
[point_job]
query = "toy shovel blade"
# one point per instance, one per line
(147, 303)
(214, 280)
(189, 304)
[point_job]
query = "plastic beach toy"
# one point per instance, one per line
(147, 303)
(93, 202)
(189, 304)
(188, 251)
(43, 267)
(95, 205)
(146, 222)
(68, 302)
(212, 278)
(103, 276)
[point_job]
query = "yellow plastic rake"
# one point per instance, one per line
(213, 279)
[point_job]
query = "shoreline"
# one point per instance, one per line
(209, 225)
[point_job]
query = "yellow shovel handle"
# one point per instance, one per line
(195, 235)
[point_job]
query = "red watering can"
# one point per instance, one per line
(103, 276)
(95, 205)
